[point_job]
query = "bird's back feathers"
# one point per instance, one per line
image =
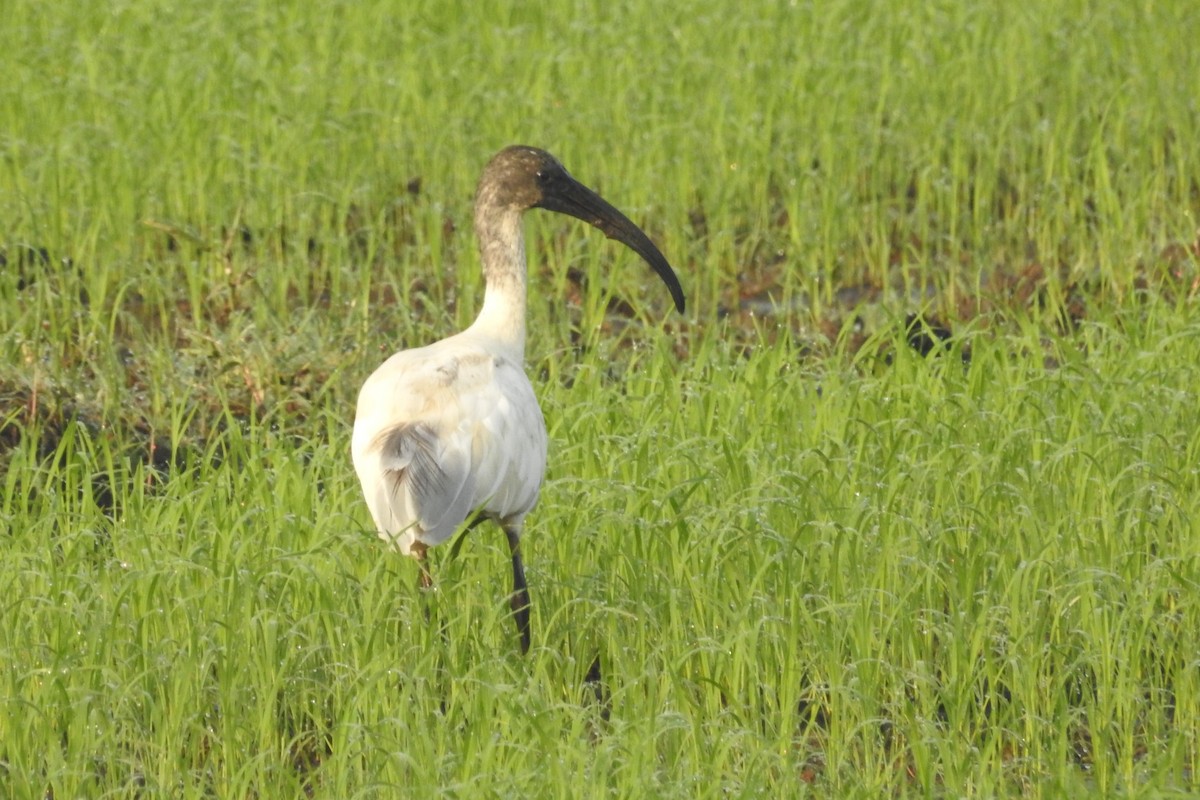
(473, 438)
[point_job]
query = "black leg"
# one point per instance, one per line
(593, 685)
(519, 600)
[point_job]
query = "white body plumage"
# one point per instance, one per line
(445, 430)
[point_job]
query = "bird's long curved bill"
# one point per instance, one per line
(574, 199)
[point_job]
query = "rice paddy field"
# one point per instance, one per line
(906, 504)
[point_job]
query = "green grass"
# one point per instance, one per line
(809, 561)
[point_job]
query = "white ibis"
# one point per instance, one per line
(451, 433)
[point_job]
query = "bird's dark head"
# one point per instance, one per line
(521, 177)
(517, 177)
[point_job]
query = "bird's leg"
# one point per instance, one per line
(519, 601)
(593, 684)
(419, 552)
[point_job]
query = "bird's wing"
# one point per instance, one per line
(423, 481)
(508, 441)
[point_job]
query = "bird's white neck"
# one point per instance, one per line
(502, 249)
